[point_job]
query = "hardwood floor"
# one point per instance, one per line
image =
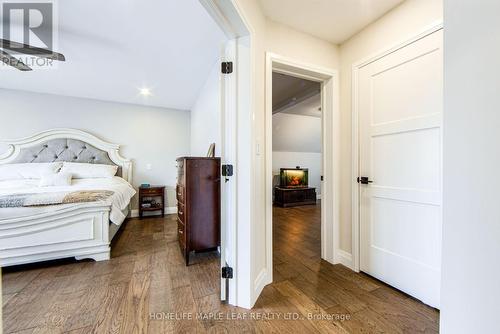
(146, 288)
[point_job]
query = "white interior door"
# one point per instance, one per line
(400, 118)
(228, 156)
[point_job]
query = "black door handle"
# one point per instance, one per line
(364, 180)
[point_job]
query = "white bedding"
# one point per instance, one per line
(123, 193)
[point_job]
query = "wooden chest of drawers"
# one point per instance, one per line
(198, 204)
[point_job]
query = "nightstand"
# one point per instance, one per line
(151, 199)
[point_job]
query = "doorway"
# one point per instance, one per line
(326, 80)
(297, 171)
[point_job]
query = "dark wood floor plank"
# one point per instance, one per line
(135, 304)
(110, 316)
(32, 300)
(316, 292)
(6, 298)
(365, 321)
(17, 281)
(274, 302)
(308, 308)
(89, 304)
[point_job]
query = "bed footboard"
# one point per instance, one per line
(81, 232)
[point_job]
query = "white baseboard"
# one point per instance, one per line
(344, 258)
(263, 279)
(168, 211)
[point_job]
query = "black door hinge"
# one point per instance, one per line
(227, 170)
(227, 67)
(227, 272)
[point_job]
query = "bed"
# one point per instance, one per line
(81, 230)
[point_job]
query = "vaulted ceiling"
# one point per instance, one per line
(332, 20)
(296, 96)
(114, 48)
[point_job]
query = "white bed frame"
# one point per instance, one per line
(83, 232)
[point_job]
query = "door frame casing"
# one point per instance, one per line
(230, 19)
(228, 151)
(330, 188)
(356, 67)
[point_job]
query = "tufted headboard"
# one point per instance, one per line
(66, 145)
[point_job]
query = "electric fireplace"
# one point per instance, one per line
(294, 188)
(294, 177)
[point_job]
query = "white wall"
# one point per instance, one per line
(205, 116)
(401, 23)
(470, 282)
(148, 135)
(296, 133)
(297, 142)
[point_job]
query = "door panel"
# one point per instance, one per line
(391, 218)
(392, 88)
(400, 98)
(415, 167)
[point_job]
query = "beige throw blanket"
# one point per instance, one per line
(41, 199)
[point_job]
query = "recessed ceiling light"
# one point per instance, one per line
(145, 91)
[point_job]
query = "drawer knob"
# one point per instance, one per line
(181, 213)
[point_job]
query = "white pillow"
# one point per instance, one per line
(89, 171)
(55, 180)
(27, 170)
